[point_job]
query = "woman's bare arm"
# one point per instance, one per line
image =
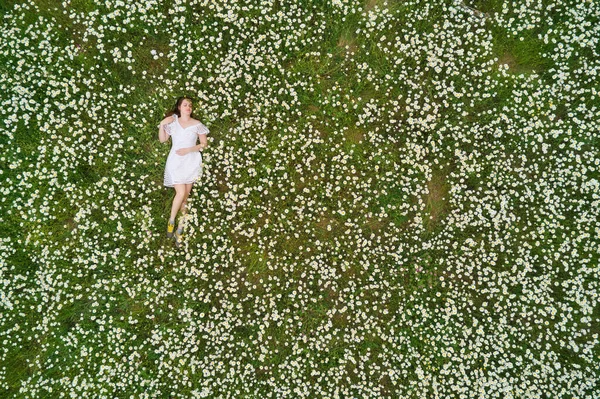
(162, 135)
(203, 142)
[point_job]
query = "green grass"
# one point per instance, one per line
(257, 274)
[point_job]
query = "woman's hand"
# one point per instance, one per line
(167, 120)
(183, 151)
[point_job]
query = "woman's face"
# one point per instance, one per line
(185, 108)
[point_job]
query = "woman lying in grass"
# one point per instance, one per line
(184, 163)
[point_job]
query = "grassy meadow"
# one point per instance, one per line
(400, 199)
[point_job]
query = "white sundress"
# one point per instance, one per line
(183, 169)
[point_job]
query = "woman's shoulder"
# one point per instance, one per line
(196, 122)
(200, 127)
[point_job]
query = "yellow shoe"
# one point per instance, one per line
(170, 229)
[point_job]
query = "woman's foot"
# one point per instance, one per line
(170, 228)
(178, 237)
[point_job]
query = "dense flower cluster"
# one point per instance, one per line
(399, 199)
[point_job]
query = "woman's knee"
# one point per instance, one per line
(180, 190)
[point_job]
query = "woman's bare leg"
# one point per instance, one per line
(178, 200)
(188, 189)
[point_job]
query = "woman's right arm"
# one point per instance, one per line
(162, 135)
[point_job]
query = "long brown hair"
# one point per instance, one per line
(175, 109)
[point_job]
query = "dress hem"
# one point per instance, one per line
(171, 185)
